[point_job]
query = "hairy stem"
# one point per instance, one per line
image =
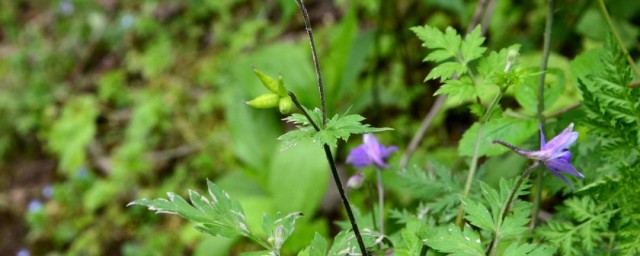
(605, 13)
(508, 204)
(336, 178)
(537, 194)
(380, 201)
(316, 64)
(437, 105)
(474, 158)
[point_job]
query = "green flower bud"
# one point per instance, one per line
(267, 100)
(285, 105)
(271, 84)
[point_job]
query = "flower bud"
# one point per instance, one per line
(268, 100)
(285, 104)
(271, 84)
(355, 182)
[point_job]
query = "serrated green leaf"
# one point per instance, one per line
(516, 249)
(478, 215)
(458, 90)
(336, 128)
(318, 247)
(453, 241)
(471, 48)
(445, 71)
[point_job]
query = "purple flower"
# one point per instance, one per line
(370, 152)
(554, 155)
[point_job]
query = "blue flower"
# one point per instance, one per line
(554, 155)
(370, 152)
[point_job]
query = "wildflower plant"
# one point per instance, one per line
(454, 208)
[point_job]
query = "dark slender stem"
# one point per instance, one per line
(304, 112)
(510, 146)
(437, 105)
(316, 64)
(336, 177)
(345, 200)
(508, 204)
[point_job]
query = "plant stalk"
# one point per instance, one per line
(380, 201)
(510, 201)
(336, 178)
(316, 63)
(476, 150)
(327, 150)
(537, 193)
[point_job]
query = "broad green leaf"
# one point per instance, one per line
(527, 93)
(513, 131)
(453, 241)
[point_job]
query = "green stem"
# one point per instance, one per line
(508, 204)
(537, 194)
(605, 13)
(476, 150)
(380, 201)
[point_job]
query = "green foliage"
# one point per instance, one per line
(412, 236)
(490, 219)
(582, 235)
(335, 129)
(611, 105)
(453, 241)
(73, 132)
(512, 130)
(222, 216)
(437, 187)
(612, 112)
(318, 247)
(447, 46)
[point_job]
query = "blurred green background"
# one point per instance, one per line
(104, 102)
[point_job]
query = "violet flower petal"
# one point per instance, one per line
(562, 140)
(358, 157)
(564, 166)
(557, 174)
(374, 149)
